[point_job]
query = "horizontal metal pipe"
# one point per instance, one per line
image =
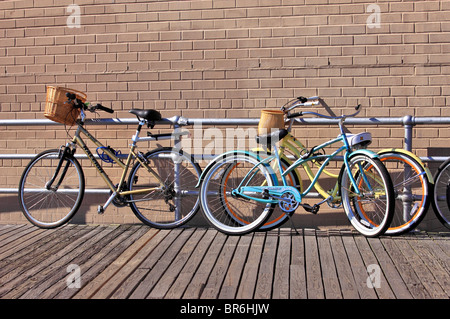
(412, 120)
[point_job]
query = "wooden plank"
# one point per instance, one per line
(195, 288)
(52, 279)
(438, 247)
(443, 241)
(13, 234)
(438, 276)
(282, 265)
(130, 283)
(9, 228)
(23, 242)
(109, 279)
(247, 285)
(343, 268)
(217, 275)
(359, 269)
(399, 251)
(22, 266)
(44, 259)
(36, 251)
(166, 281)
(329, 275)
(231, 282)
(314, 282)
(156, 271)
(98, 262)
(384, 290)
(47, 273)
(393, 278)
(297, 280)
(266, 268)
(178, 288)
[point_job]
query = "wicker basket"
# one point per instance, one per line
(270, 120)
(56, 108)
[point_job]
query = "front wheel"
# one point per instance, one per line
(441, 194)
(51, 189)
(411, 188)
(162, 190)
(369, 201)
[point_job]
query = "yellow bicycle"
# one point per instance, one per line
(160, 188)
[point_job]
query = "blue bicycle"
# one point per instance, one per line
(240, 189)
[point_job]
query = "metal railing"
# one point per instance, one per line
(408, 122)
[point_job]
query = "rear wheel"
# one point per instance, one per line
(171, 203)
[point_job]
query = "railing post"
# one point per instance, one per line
(408, 123)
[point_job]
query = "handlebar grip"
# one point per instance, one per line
(290, 116)
(103, 108)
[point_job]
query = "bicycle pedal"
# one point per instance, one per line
(311, 209)
(100, 210)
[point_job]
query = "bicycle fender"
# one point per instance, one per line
(224, 155)
(414, 156)
(369, 153)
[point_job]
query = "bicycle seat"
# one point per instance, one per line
(268, 139)
(149, 115)
(360, 140)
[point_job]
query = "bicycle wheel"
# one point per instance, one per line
(53, 207)
(277, 217)
(441, 192)
(371, 211)
(230, 213)
(411, 187)
(176, 201)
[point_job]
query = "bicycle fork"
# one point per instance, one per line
(63, 155)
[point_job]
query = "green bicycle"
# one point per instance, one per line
(239, 189)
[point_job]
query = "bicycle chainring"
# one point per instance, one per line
(287, 202)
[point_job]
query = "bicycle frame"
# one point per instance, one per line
(117, 190)
(302, 161)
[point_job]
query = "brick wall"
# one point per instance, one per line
(227, 58)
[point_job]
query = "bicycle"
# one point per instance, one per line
(441, 193)
(239, 189)
(159, 188)
(411, 179)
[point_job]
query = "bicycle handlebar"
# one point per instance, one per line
(310, 101)
(72, 98)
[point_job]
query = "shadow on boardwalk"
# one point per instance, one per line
(137, 262)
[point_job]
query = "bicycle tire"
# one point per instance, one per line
(238, 216)
(371, 212)
(412, 189)
(172, 206)
(54, 207)
(277, 217)
(441, 192)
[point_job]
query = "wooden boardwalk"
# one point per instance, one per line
(135, 261)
